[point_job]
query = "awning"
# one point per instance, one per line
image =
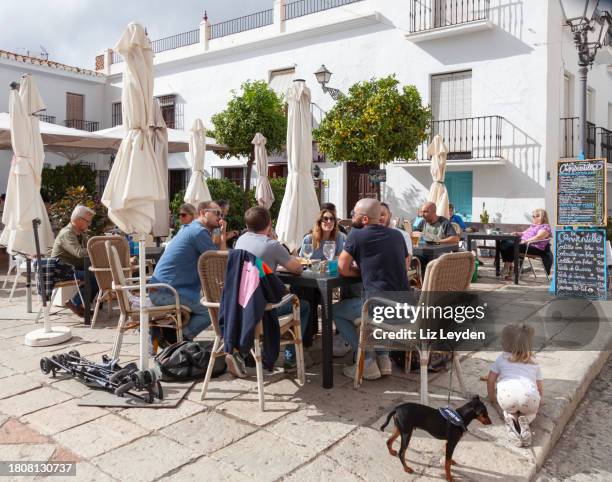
(280, 80)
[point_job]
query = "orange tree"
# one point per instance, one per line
(377, 122)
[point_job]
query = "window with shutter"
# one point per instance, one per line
(75, 110)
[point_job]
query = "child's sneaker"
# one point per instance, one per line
(525, 431)
(513, 434)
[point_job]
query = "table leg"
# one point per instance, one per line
(497, 257)
(328, 336)
(87, 292)
(28, 285)
(516, 261)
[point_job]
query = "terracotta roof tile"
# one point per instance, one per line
(5, 54)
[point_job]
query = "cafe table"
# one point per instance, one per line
(498, 238)
(429, 252)
(153, 253)
(324, 283)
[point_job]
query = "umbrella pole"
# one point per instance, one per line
(48, 335)
(144, 314)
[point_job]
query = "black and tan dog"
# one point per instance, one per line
(409, 416)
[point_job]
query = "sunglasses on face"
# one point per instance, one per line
(328, 219)
(216, 212)
(183, 215)
(535, 215)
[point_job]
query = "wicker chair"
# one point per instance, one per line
(415, 273)
(100, 267)
(451, 272)
(212, 266)
(168, 316)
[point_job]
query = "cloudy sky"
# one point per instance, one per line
(75, 31)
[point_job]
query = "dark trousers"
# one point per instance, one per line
(80, 275)
(507, 251)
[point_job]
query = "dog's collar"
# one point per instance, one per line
(452, 416)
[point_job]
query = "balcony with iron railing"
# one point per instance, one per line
(84, 125)
(47, 118)
(570, 139)
(431, 18)
(605, 143)
(467, 139)
(207, 32)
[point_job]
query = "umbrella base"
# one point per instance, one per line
(57, 335)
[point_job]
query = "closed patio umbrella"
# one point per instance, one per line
(437, 192)
(23, 201)
(300, 205)
(263, 192)
(197, 189)
(159, 138)
(135, 183)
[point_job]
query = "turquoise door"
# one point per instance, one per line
(459, 186)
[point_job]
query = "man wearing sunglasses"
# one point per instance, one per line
(178, 266)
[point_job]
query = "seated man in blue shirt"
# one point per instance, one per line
(178, 266)
(455, 218)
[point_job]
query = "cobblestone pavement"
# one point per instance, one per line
(584, 452)
(306, 432)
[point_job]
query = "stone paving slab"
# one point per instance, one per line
(155, 419)
(208, 468)
(145, 459)
(16, 384)
(100, 435)
(63, 416)
(32, 401)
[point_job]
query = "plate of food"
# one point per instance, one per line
(304, 261)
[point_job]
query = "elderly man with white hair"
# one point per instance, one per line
(71, 247)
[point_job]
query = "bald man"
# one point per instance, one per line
(438, 227)
(379, 255)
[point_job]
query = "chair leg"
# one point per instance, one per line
(459, 372)
(535, 276)
(118, 338)
(424, 357)
(259, 365)
(14, 285)
(299, 353)
(408, 362)
(360, 362)
(9, 271)
(96, 309)
(211, 364)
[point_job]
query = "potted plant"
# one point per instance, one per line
(484, 219)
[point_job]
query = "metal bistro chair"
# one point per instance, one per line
(212, 266)
(451, 272)
(528, 256)
(100, 266)
(166, 316)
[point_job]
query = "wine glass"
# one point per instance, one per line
(329, 250)
(307, 250)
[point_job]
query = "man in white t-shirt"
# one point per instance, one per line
(385, 220)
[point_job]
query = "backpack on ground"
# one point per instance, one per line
(188, 360)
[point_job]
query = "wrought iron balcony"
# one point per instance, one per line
(47, 118)
(470, 138)
(605, 143)
(570, 138)
(431, 14)
(168, 43)
(84, 125)
(241, 24)
(307, 7)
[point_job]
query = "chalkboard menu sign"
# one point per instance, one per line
(581, 192)
(580, 262)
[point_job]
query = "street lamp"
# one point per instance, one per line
(590, 27)
(323, 75)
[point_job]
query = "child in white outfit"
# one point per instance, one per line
(518, 380)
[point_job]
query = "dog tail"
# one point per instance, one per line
(384, 425)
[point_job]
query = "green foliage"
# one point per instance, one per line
(61, 210)
(226, 189)
(56, 181)
(256, 109)
(375, 123)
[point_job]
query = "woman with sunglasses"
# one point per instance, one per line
(187, 214)
(325, 229)
(538, 234)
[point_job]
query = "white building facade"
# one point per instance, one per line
(500, 76)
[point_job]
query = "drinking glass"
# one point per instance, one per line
(329, 250)
(307, 250)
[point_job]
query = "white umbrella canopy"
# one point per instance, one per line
(197, 189)
(23, 201)
(300, 205)
(159, 138)
(263, 191)
(437, 192)
(135, 182)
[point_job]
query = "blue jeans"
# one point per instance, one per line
(80, 275)
(286, 309)
(199, 320)
(345, 312)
